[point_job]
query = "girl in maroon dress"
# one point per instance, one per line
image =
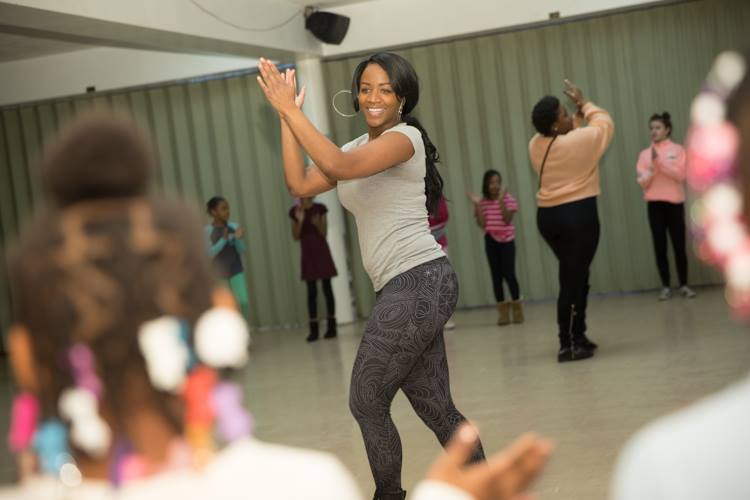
(309, 226)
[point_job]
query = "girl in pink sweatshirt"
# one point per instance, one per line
(661, 174)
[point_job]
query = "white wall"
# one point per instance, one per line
(170, 25)
(389, 23)
(105, 68)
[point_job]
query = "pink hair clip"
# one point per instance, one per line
(23, 422)
(84, 371)
(234, 422)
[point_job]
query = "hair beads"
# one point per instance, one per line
(718, 216)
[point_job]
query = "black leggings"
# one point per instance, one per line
(572, 232)
(312, 298)
(502, 259)
(403, 348)
(666, 217)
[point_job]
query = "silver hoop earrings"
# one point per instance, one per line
(401, 108)
(333, 103)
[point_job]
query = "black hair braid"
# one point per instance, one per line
(433, 181)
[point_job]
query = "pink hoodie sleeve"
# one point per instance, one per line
(674, 168)
(578, 120)
(645, 169)
(600, 129)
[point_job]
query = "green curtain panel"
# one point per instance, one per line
(213, 137)
(476, 100)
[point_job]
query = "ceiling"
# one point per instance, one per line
(325, 3)
(14, 47)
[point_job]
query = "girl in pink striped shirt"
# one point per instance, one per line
(661, 174)
(494, 214)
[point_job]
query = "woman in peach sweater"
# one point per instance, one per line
(661, 174)
(566, 158)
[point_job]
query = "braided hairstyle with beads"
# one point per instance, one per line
(100, 259)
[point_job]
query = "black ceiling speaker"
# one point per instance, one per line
(327, 26)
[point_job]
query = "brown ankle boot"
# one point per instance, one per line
(503, 313)
(517, 311)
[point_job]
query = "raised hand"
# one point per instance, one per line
(239, 233)
(574, 93)
(291, 78)
(473, 198)
(278, 88)
(507, 475)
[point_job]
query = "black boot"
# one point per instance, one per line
(582, 338)
(331, 328)
(587, 342)
(390, 496)
(571, 349)
(313, 331)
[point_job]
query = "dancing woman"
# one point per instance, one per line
(388, 179)
(566, 158)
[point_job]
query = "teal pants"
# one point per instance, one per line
(238, 285)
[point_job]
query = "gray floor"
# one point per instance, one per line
(654, 358)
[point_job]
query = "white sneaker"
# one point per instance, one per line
(665, 294)
(450, 325)
(687, 292)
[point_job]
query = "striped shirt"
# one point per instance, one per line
(494, 222)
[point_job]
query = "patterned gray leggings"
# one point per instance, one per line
(403, 348)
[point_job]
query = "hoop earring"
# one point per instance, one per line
(333, 103)
(401, 109)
